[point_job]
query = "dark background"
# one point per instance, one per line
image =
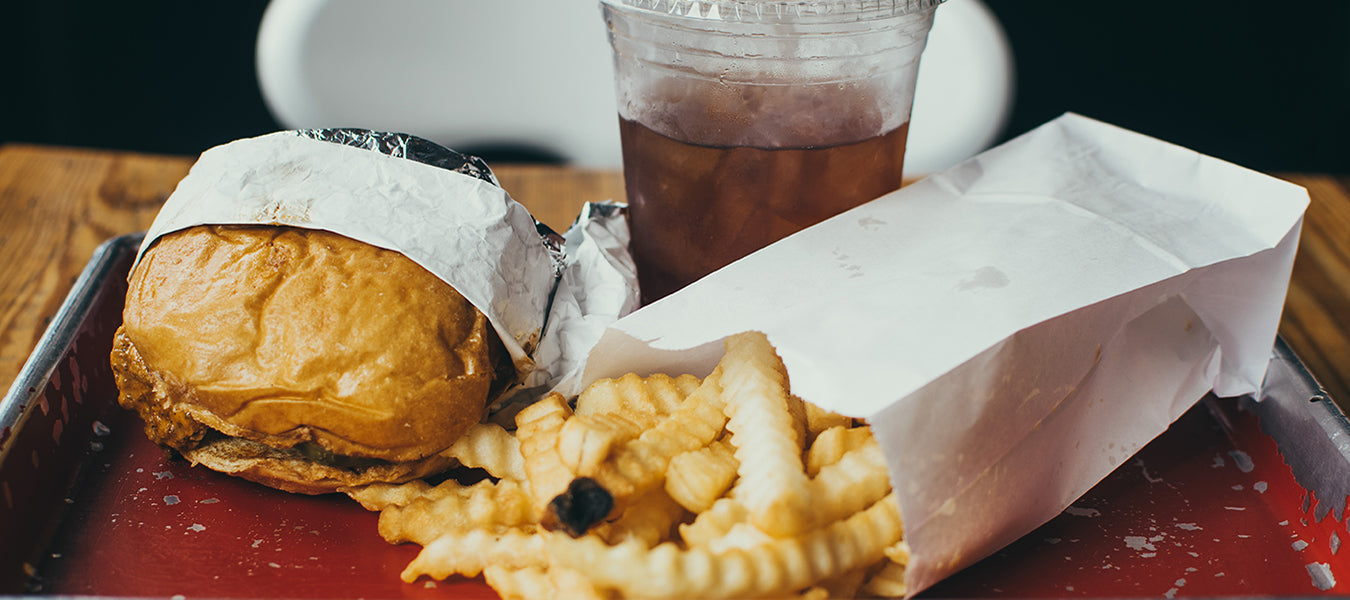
(1263, 84)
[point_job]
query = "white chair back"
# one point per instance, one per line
(537, 75)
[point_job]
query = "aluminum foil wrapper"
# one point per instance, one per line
(399, 145)
(548, 296)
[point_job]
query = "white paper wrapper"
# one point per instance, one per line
(598, 287)
(460, 226)
(1014, 328)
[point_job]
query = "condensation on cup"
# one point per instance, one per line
(743, 121)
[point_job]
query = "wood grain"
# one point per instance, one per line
(1316, 319)
(58, 204)
(554, 195)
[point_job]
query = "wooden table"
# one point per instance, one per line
(58, 204)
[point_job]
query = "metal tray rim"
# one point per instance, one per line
(61, 332)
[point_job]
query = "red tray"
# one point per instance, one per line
(1236, 498)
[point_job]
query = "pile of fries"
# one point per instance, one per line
(663, 487)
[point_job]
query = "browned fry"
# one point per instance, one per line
(583, 505)
(650, 519)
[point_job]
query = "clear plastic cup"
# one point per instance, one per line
(743, 121)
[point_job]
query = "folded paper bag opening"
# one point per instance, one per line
(1013, 328)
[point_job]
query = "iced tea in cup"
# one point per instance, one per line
(743, 121)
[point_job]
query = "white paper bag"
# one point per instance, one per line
(1013, 328)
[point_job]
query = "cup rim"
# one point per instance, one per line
(778, 11)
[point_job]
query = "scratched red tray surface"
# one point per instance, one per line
(1213, 507)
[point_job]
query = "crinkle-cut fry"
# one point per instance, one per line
(699, 477)
(815, 593)
(532, 583)
(538, 426)
(585, 441)
(571, 584)
(527, 583)
(844, 585)
(652, 396)
(640, 465)
(741, 535)
(831, 445)
(490, 447)
(887, 582)
(451, 507)
(796, 408)
(468, 553)
(819, 419)
(889, 579)
(379, 496)
(714, 523)
(649, 518)
(898, 552)
(854, 482)
(780, 566)
(772, 479)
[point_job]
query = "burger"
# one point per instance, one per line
(302, 359)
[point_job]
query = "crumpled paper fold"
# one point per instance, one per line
(1014, 328)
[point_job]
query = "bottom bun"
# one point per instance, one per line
(292, 471)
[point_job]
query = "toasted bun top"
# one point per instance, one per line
(283, 336)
